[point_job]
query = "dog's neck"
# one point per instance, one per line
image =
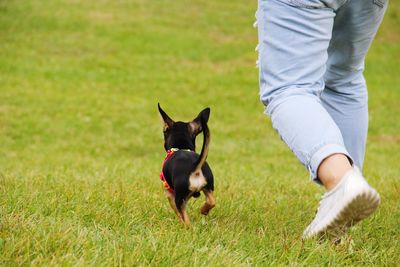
(180, 144)
(174, 149)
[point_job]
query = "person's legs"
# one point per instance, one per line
(293, 43)
(345, 95)
(345, 98)
(294, 37)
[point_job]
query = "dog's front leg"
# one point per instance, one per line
(210, 202)
(180, 203)
(171, 200)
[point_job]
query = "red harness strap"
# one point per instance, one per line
(162, 177)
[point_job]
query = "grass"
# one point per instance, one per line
(81, 142)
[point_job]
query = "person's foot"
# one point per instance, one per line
(352, 200)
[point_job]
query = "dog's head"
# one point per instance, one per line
(182, 135)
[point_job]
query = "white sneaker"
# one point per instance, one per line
(352, 200)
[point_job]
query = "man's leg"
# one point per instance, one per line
(345, 95)
(345, 98)
(294, 37)
(293, 43)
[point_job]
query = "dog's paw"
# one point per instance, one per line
(205, 210)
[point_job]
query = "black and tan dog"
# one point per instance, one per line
(184, 172)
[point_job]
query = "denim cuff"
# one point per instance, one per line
(322, 153)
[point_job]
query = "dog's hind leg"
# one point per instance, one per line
(210, 202)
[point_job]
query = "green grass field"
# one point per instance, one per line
(81, 141)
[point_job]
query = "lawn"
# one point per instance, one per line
(81, 141)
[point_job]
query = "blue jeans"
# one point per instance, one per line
(311, 62)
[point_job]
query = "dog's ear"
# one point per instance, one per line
(168, 122)
(195, 125)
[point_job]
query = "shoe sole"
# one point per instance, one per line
(357, 209)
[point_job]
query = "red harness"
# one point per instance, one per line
(170, 152)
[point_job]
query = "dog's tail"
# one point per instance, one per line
(204, 150)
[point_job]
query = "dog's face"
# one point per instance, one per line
(180, 134)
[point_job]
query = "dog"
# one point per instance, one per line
(184, 172)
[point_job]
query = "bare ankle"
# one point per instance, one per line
(332, 169)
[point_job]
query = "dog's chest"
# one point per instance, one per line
(197, 181)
